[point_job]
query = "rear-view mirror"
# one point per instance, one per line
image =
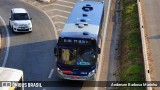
(99, 50)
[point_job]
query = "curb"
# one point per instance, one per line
(144, 45)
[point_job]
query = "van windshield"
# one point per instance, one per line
(20, 16)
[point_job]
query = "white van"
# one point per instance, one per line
(20, 20)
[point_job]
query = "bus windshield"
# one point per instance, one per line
(79, 56)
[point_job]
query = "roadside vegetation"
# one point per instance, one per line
(131, 66)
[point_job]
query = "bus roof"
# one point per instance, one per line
(84, 20)
(9, 74)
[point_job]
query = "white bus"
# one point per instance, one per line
(8, 75)
(77, 48)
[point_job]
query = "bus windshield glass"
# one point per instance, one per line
(79, 56)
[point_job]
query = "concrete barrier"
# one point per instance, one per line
(144, 44)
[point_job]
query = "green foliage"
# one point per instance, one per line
(131, 56)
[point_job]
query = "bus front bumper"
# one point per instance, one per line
(76, 77)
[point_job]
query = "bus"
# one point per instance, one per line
(78, 48)
(8, 75)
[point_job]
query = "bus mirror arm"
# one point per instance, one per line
(99, 50)
(55, 51)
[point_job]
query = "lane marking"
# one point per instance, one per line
(59, 23)
(7, 42)
(50, 74)
(63, 5)
(59, 16)
(59, 29)
(55, 4)
(43, 6)
(66, 2)
(57, 10)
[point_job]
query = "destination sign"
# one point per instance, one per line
(76, 41)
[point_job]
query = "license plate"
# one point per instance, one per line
(75, 77)
(23, 28)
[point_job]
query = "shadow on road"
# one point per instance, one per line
(154, 37)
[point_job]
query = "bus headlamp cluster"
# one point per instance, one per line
(92, 72)
(60, 71)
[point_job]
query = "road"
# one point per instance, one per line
(152, 21)
(32, 52)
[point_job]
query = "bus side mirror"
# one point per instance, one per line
(10, 18)
(55, 51)
(99, 50)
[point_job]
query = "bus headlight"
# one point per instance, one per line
(59, 71)
(92, 73)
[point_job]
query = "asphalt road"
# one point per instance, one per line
(30, 52)
(152, 22)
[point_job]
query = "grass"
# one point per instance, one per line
(131, 57)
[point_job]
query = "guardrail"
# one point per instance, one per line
(144, 44)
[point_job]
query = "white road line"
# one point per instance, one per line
(7, 42)
(43, 6)
(67, 2)
(50, 74)
(59, 29)
(58, 16)
(63, 6)
(55, 4)
(57, 10)
(59, 23)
